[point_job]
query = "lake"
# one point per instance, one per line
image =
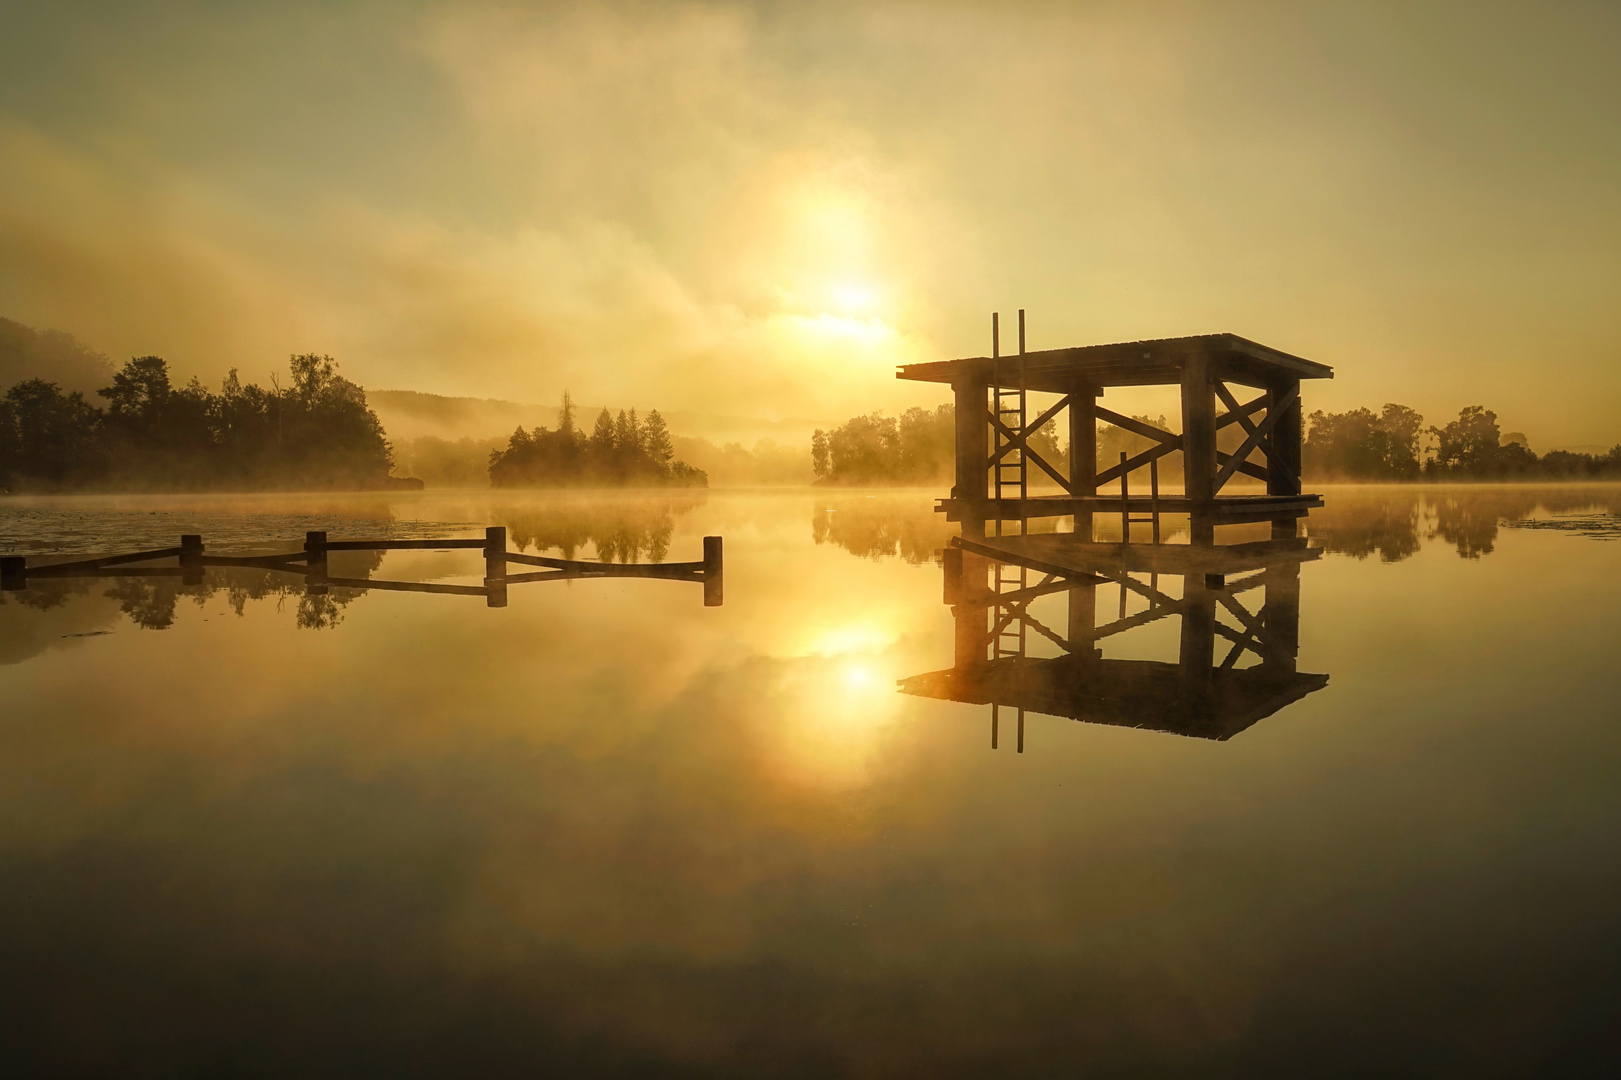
(247, 829)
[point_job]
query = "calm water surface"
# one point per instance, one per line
(609, 831)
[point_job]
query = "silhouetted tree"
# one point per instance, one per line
(619, 451)
(319, 433)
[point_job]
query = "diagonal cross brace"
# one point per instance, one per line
(1018, 438)
(1258, 436)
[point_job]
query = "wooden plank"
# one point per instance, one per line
(1137, 427)
(401, 545)
(104, 560)
(1153, 453)
(594, 566)
(261, 562)
(407, 586)
(1246, 467)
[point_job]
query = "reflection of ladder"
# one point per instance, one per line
(1008, 641)
(1008, 406)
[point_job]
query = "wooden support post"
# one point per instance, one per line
(1287, 439)
(972, 612)
(1196, 656)
(1280, 609)
(1021, 731)
(714, 572)
(191, 559)
(1083, 451)
(1083, 619)
(972, 453)
(1125, 505)
(1199, 444)
(495, 566)
(1153, 496)
(951, 563)
(315, 562)
(13, 573)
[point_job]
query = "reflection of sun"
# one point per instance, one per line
(835, 706)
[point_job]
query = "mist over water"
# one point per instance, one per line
(609, 831)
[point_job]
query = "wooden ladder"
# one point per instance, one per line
(1152, 517)
(1008, 405)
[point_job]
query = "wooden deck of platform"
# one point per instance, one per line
(1063, 554)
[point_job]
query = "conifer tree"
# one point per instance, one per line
(656, 440)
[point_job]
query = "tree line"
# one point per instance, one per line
(919, 447)
(1394, 444)
(317, 432)
(619, 451)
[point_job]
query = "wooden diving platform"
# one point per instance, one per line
(995, 456)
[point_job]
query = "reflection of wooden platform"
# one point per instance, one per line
(1224, 510)
(1144, 694)
(1061, 553)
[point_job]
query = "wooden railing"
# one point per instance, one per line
(311, 562)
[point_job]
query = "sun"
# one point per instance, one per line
(853, 297)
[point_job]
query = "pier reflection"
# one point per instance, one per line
(1030, 639)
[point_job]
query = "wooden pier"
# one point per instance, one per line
(190, 562)
(995, 460)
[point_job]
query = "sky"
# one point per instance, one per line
(760, 209)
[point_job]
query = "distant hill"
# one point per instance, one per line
(410, 414)
(52, 355)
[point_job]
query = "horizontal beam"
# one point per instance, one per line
(400, 545)
(1225, 508)
(104, 561)
(407, 586)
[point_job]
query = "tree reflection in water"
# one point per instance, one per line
(1394, 522)
(622, 530)
(881, 526)
(150, 601)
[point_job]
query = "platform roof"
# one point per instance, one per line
(1131, 363)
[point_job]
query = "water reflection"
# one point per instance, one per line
(446, 840)
(1237, 608)
(880, 526)
(619, 530)
(150, 598)
(1394, 522)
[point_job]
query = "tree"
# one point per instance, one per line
(656, 439)
(1364, 445)
(47, 437)
(627, 435)
(619, 451)
(821, 463)
(1468, 444)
